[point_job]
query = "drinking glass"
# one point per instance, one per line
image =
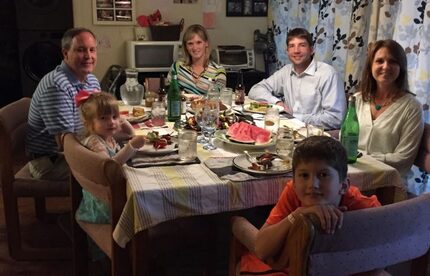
(158, 113)
(187, 148)
(285, 143)
(210, 122)
(198, 115)
(271, 120)
(226, 97)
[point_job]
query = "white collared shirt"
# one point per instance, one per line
(316, 96)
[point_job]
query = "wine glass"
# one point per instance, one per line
(210, 122)
(198, 115)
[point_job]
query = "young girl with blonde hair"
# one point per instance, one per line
(100, 115)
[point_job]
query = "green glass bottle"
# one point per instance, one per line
(349, 131)
(174, 100)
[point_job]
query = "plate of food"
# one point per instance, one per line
(137, 115)
(159, 144)
(260, 107)
(262, 163)
(244, 134)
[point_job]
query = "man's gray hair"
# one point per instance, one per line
(68, 36)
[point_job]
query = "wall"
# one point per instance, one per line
(227, 31)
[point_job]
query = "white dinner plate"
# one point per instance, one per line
(242, 163)
(150, 150)
(220, 135)
(246, 108)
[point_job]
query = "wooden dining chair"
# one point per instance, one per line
(104, 178)
(369, 239)
(16, 182)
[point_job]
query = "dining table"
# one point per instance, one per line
(160, 191)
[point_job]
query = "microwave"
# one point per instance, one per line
(234, 59)
(152, 56)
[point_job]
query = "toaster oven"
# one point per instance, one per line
(234, 58)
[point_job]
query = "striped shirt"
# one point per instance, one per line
(53, 109)
(213, 74)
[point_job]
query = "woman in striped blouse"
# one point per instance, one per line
(196, 72)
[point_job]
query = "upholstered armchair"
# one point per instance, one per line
(369, 239)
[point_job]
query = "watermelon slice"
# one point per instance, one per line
(245, 133)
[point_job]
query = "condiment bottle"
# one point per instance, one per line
(162, 90)
(239, 90)
(349, 131)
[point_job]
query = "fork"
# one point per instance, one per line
(250, 158)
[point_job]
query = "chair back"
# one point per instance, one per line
(13, 126)
(102, 176)
(423, 157)
(373, 238)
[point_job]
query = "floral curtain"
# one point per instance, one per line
(342, 29)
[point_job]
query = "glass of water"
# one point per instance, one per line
(285, 143)
(271, 120)
(226, 97)
(187, 148)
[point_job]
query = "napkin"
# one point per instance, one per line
(142, 161)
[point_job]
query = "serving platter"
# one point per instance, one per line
(243, 164)
(221, 135)
(247, 108)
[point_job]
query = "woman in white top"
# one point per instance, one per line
(390, 118)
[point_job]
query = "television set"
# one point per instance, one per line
(152, 56)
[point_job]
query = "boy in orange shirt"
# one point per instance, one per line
(319, 186)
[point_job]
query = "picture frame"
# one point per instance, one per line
(246, 7)
(114, 12)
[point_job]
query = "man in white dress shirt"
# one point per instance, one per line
(310, 90)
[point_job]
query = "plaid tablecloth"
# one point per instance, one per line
(158, 194)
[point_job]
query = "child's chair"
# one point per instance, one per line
(369, 239)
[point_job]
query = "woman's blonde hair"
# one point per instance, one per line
(97, 105)
(192, 30)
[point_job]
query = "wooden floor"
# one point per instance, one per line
(39, 234)
(35, 234)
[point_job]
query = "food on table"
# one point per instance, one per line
(270, 161)
(259, 106)
(138, 111)
(197, 103)
(192, 124)
(246, 133)
(159, 142)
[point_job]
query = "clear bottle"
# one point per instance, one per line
(239, 90)
(349, 131)
(132, 91)
(174, 100)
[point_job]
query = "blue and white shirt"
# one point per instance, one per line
(316, 96)
(53, 109)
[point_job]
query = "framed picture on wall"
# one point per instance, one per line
(114, 12)
(246, 7)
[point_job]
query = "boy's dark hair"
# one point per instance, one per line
(300, 33)
(325, 149)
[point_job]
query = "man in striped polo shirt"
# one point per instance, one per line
(53, 110)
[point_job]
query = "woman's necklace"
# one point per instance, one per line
(380, 106)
